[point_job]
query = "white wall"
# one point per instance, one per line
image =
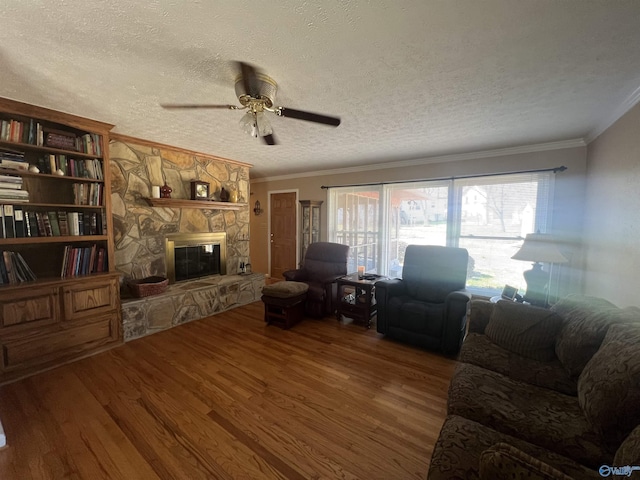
(612, 221)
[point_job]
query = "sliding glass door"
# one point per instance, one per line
(488, 215)
(354, 220)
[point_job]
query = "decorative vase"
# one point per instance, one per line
(224, 195)
(233, 196)
(165, 191)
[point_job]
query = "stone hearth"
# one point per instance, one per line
(187, 301)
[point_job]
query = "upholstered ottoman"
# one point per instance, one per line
(284, 303)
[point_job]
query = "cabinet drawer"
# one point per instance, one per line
(36, 307)
(92, 297)
(69, 343)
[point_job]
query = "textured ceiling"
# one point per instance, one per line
(410, 79)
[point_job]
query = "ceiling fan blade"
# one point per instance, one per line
(269, 139)
(249, 79)
(308, 116)
(196, 105)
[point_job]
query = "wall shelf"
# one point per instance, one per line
(200, 204)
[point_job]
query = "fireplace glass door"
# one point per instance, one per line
(196, 261)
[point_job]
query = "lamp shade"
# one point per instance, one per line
(540, 248)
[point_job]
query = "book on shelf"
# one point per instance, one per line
(20, 131)
(64, 224)
(18, 221)
(42, 230)
(32, 224)
(88, 194)
(44, 216)
(55, 226)
(60, 139)
(11, 192)
(9, 227)
(11, 274)
(14, 268)
(90, 143)
(82, 261)
(11, 179)
(13, 164)
(10, 185)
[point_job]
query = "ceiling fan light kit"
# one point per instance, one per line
(256, 92)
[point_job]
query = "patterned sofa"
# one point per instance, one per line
(544, 394)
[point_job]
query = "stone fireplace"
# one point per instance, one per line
(145, 235)
(195, 255)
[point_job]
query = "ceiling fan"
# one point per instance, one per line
(256, 93)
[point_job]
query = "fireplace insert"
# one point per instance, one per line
(195, 255)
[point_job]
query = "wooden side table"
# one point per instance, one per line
(360, 305)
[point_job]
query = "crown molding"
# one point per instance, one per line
(623, 108)
(500, 152)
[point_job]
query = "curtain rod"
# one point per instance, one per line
(554, 170)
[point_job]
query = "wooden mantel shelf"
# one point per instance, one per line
(201, 204)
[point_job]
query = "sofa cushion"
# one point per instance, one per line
(416, 316)
(462, 442)
(629, 452)
(523, 329)
(285, 289)
(479, 315)
(537, 415)
(505, 462)
(479, 350)
(586, 320)
(609, 386)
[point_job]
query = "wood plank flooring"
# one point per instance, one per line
(228, 397)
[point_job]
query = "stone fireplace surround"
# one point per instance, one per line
(140, 231)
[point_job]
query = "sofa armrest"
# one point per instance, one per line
(390, 288)
(298, 275)
(505, 462)
(385, 290)
(330, 279)
(455, 320)
(480, 315)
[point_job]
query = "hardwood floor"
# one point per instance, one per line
(228, 397)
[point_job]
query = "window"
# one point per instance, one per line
(489, 216)
(354, 220)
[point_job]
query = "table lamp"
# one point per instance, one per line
(538, 248)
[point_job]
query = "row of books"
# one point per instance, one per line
(17, 223)
(83, 168)
(35, 133)
(83, 261)
(88, 194)
(13, 160)
(14, 269)
(11, 190)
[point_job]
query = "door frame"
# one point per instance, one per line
(269, 193)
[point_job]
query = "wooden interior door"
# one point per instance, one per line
(283, 233)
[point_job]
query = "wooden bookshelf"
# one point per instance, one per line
(54, 320)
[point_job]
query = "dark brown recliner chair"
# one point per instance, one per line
(323, 264)
(428, 306)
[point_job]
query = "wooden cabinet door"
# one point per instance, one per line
(90, 297)
(36, 307)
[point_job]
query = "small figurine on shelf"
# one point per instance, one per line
(224, 195)
(165, 191)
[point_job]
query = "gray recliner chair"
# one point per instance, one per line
(323, 264)
(428, 306)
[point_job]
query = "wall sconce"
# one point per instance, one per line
(257, 209)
